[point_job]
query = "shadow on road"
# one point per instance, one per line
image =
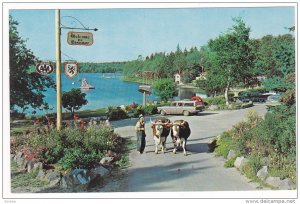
(154, 181)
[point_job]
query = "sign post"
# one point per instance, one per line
(58, 72)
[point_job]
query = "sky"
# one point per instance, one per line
(124, 34)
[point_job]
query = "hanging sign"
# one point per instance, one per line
(71, 69)
(80, 38)
(44, 68)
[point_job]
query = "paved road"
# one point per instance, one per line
(198, 171)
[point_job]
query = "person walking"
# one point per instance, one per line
(140, 134)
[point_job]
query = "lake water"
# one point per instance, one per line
(109, 91)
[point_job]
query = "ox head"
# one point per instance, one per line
(159, 125)
(176, 127)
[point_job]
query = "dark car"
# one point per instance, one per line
(254, 96)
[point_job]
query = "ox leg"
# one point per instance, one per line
(163, 144)
(156, 145)
(184, 147)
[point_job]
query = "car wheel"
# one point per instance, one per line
(186, 113)
(162, 112)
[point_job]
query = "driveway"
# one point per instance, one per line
(200, 170)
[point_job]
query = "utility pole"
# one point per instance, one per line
(58, 72)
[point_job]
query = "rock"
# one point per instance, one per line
(240, 162)
(213, 107)
(231, 154)
(38, 165)
(78, 179)
(25, 164)
(41, 174)
(67, 181)
(287, 184)
(111, 153)
(54, 183)
(273, 181)
(30, 166)
(106, 160)
(20, 154)
(52, 175)
(12, 156)
(262, 173)
(100, 170)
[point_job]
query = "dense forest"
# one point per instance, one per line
(232, 59)
(105, 67)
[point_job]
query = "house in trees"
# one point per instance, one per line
(178, 79)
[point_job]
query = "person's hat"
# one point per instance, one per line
(141, 116)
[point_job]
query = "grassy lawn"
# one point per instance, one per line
(24, 179)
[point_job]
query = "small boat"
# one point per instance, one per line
(85, 85)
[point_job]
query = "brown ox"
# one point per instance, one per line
(179, 133)
(161, 130)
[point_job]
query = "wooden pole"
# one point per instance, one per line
(58, 72)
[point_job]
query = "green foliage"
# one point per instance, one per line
(24, 179)
(79, 158)
(165, 89)
(224, 144)
(219, 100)
(108, 67)
(73, 100)
(253, 166)
(26, 89)
(116, 113)
(74, 148)
(165, 65)
(230, 162)
(232, 59)
(273, 136)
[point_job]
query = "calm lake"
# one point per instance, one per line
(109, 90)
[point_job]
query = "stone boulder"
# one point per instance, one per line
(100, 170)
(273, 181)
(52, 176)
(77, 179)
(30, 166)
(287, 184)
(240, 162)
(231, 154)
(107, 161)
(262, 173)
(213, 107)
(38, 165)
(41, 174)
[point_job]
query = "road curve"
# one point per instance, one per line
(198, 171)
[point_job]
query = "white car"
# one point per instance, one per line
(185, 107)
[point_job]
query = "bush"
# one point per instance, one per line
(224, 144)
(116, 113)
(73, 147)
(150, 109)
(253, 166)
(219, 100)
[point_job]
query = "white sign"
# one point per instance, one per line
(80, 38)
(71, 69)
(44, 68)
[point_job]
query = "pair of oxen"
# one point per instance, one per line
(179, 129)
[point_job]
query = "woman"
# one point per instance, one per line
(140, 134)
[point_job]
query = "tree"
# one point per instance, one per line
(164, 88)
(26, 89)
(233, 56)
(73, 100)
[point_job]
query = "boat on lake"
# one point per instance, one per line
(85, 85)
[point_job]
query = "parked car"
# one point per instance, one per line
(254, 96)
(185, 107)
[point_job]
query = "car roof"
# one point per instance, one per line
(183, 101)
